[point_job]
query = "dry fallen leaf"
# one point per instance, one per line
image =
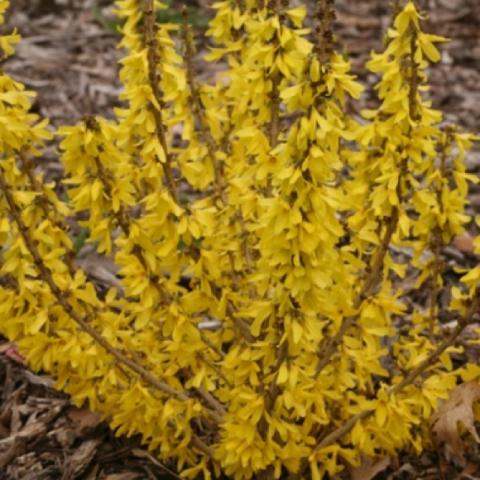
(457, 409)
(464, 243)
(10, 351)
(369, 468)
(83, 419)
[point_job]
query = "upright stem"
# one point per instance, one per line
(274, 95)
(395, 8)
(274, 111)
(154, 80)
(371, 281)
(212, 146)
(374, 275)
(437, 242)
(414, 78)
(199, 111)
(324, 37)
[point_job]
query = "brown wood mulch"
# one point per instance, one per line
(68, 56)
(43, 436)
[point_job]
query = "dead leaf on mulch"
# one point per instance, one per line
(10, 350)
(83, 419)
(457, 409)
(464, 242)
(369, 468)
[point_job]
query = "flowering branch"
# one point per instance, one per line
(152, 56)
(84, 322)
(473, 309)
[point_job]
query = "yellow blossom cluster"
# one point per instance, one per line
(261, 235)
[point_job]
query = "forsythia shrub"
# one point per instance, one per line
(262, 325)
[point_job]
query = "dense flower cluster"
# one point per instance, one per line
(260, 233)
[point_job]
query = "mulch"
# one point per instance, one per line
(43, 436)
(69, 56)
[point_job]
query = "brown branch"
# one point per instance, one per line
(151, 43)
(437, 242)
(199, 114)
(371, 281)
(84, 322)
(202, 446)
(324, 41)
(123, 220)
(198, 108)
(47, 206)
(274, 99)
(121, 216)
(374, 276)
(198, 111)
(436, 245)
(274, 111)
(414, 79)
(344, 429)
(449, 341)
(395, 8)
(410, 377)
(211, 400)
